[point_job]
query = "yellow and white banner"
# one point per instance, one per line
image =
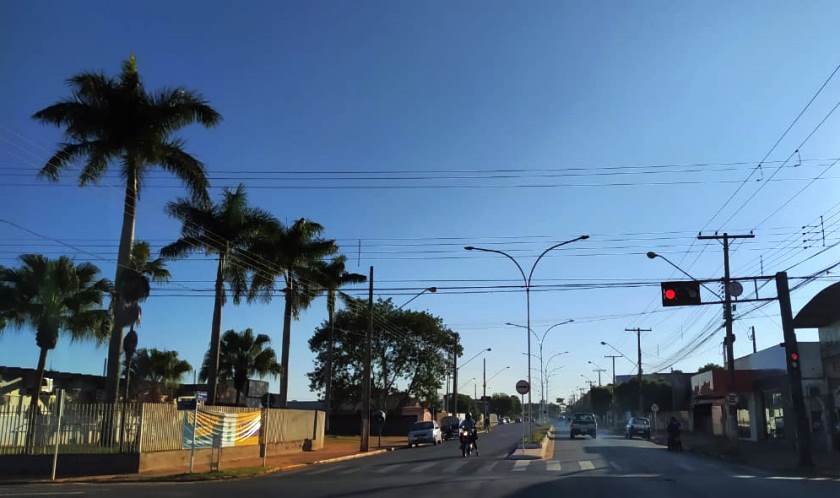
(221, 429)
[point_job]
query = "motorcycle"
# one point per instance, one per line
(467, 438)
(674, 442)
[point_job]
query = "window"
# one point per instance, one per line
(774, 415)
(419, 426)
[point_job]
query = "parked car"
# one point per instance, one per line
(425, 432)
(637, 426)
(583, 423)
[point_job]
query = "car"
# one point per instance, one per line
(583, 423)
(637, 426)
(425, 432)
(507, 420)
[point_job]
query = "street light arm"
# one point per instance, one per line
(508, 256)
(604, 343)
(497, 373)
(555, 246)
(462, 365)
(555, 355)
(428, 289)
(653, 255)
(570, 320)
(524, 327)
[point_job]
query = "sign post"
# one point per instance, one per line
(654, 408)
(523, 387)
(58, 433)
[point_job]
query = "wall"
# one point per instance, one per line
(774, 358)
(69, 465)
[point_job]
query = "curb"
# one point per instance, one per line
(354, 456)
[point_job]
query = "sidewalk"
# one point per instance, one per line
(766, 455)
(336, 448)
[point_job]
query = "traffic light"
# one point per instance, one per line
(794, 360)
(680, 293)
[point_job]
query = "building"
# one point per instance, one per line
(15, 385)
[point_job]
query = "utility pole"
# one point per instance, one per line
(598, 371)
(803, 436)
(613, 357)
(752, 336)
(455, 376)
(638, 332)
(366, 380)
(727, 317)
(484, 392)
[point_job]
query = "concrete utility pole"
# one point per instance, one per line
(455, 378)
(484, 391)
(363, 445)
(752, 336)
(803, 435)
(727, 317)
(598, 371)
(613, 357)
(638, 332)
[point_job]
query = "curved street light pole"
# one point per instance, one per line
(527, 282)
(427, 289)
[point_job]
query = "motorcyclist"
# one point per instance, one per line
(468, 424)
(673, 431)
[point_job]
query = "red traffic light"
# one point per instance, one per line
(794, 356)
(682, 293)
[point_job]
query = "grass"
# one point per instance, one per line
(539, 433)
(239, 473)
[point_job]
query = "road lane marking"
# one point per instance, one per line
(743, 476)
(326, 468)
(454, 467)
(686, 467)
(586, 465)
(423, 467)
(389, 468)
(553, 466)
(786, 478)
(520, 465)
(349, 470)
(44, 493)
(616, 467)
(489, 467)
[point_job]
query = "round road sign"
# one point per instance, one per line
(654, 408)
(522, 387)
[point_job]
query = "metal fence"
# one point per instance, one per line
(74, 427)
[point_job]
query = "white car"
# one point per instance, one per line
(425, 432)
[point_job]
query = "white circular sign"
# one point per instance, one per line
(522, 387)
(654, 408)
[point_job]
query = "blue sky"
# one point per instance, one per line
(443, 89)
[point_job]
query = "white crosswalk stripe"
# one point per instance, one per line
(586, 465)
(616, 467)
(489, 467)
(350, 470)
(553, 466)
(520, 465)
(451, 468)
(389, 468)
(686, 467)
(423, 467)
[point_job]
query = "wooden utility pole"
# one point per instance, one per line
(366, 384)
(638, 332)
(727, 317)
(613, 357)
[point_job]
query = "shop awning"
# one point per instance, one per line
(821, 311)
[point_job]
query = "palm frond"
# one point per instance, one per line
(190, 170)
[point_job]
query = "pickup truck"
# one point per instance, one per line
(583, 423)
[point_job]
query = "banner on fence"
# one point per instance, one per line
(226, 429)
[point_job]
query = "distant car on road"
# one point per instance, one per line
(637, 426)
(583, 423)
(425, 432)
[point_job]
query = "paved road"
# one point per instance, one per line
(609, 466)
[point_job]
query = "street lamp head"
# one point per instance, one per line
(584, 237)
(469, 248)
(489, 349)
(603, 343)
(432, 289)
(652, 254)
(587, 361)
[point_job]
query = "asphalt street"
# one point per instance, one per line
(608, 466)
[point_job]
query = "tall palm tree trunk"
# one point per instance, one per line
(216, 333)
(287, 339)
(112, 381)
(33, 404)
(329, 367)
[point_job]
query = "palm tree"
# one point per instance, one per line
(225, 229)
(293, 254)
(53, 296)
(159, 368)
(108, 120)
(135, 288)
(333, 276)
(243, 355)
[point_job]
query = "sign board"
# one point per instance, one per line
(654, 408)
(731, 399)
(522, 387)
(186, 404)
(201, 396)
(379, 415)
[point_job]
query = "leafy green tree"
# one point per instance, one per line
(226, 229)
(116, 120)
(53, 296)
(293, 255)
(601, 398)
(417, 346)
(243, 355)
(332, 276)
(627, 394)
(504, 405)
(708, 366)
(159, 370)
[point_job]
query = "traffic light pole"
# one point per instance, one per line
(803, 435)
(727, 317)
(638, 332)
